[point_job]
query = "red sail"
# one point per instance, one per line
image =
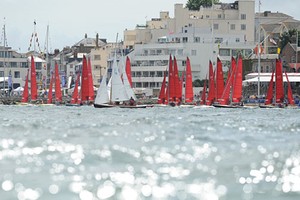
(177, 81)
(229, 84)
(171, 83)
(238, 82)
(181, 85)
(33, 87)
(90, 81)
(58, 95)
(75, 99)
(289, 93)
(162, 93)
(189, 94)
(219, 80)
(50, 94)
(269, 97)
(128, 70)
(203, 95)
(84, 81)
(211, 85)
(25, 92)
(279, 82)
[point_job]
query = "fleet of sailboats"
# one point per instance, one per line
(175, 90)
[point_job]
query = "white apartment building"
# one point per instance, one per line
(223, 30)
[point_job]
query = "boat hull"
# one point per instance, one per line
(227, 106)
(134, 106)
(103, 105)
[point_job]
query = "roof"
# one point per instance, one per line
(89, 42)
(266, 77)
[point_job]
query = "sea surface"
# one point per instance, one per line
(66, 153)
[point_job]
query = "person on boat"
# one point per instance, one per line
(131, 101)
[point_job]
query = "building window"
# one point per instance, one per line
(138, 85)
(243, 27)
(219, 16)
(38, 65)
(237, 40)
(146, 84)
(243, 16)
(1, 74)
(224, 52)
(207, 16)
(159, 74)
(17, 74)
(152, 74)
(194, 52)
(97, 57)
(97, 66)
(145, 74)
(13, 64)
(180, 52)
(183, 63)
(232, 26)
(177, 40)
(216, 26)
(152, 84)
(218, 40)
(24, 64)
(184, 39)
(197, 39)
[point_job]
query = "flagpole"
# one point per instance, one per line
(259, 52)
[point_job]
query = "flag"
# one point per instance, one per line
(278, 50)
(273, 41)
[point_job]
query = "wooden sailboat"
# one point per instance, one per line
(232, 94)
(26, 91)
(114, 94)
(290, 98)
(128, 70)
(219, 80)
(189, 94)
(58, 94)
(211, 92)
(75, 100)
(279, 90)
(50, 93)
(86, 90)
(33, 86)
(203, 95)
(162, 93)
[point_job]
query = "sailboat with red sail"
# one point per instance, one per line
(189, 94)
(128, 70)
(50, 93)
(278, 102)
(87, 89)
(58, 94)
(33, 86)
(26, 91)
(203, 94)
(232, 93)
(75, 100)
(219, 80)
(162, 93)
(211, 85)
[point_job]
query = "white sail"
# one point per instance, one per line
(128, 89)
(102, 93)
(118, 92)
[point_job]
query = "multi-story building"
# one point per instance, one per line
(222, 30)
(16, 65)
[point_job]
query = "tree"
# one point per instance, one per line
(288, 37)
(195, 4)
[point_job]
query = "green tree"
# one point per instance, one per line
(195, 4)
(288, 37)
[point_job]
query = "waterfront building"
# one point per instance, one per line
(223, 30)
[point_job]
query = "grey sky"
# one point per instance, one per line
(69, 20)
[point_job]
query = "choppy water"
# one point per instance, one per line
(154, 153)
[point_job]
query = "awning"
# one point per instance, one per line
(268, 78)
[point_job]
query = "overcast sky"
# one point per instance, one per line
(69, 20)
